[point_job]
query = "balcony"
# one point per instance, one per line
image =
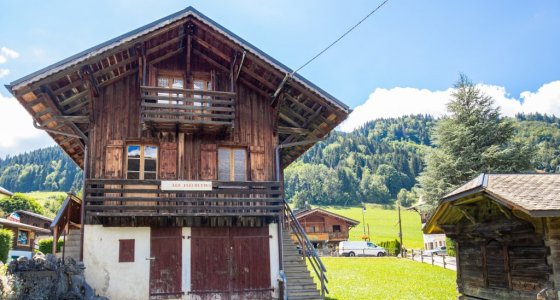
(145, 198)
(325, 236)
(170, 109)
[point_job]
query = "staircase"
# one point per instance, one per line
(300, 284)
(72, 244)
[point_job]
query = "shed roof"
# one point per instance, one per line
(537, 195)
(30, 213)
(4, 191)
(303, 213)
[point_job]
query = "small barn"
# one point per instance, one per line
(31, 218)
(507, 233)
(25, 237)
(325, 229)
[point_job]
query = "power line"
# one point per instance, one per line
(341, 37)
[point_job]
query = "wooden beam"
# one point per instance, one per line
(117, 78)
(166, 44)
(254, 87)
(292, 130)
(288, 119)
(73, 98)
(210, 60)
(116, 66)
(240, 65)
(70, 86)
(259, 78)
(208, 46)
(166, 56)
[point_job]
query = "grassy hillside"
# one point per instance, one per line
(387, 278)
(383, 224)
(51, 201)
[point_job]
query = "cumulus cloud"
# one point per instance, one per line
(4, 72)
(18, 134)
(7, 52)
(399, 101)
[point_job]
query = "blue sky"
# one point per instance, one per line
(406, 50)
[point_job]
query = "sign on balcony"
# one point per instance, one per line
(186, 185)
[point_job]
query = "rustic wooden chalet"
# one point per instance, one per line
(183, 129)
(507, 231)
(325, 229)
(34, 219)
(25, 237)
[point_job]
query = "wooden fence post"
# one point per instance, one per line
(422, 256)
(444, 261)
(432, 258)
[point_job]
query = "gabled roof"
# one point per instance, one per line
(58, 96)
(4, 191)
(304, 213)
(537, 195)
(12, 224)
(30, 213)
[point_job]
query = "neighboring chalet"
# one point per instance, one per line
(507, 230)
(183, 130)
(325, 229)
(25, 237)
(5, 193)
(34, 219)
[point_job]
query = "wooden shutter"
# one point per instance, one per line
(114, 159)
(126, 250)
(168, 161)
(256, 155)
(208, 161)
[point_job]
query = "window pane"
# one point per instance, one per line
(133, 175)
(240, 165)
(23, 237)
(149, 175)
(198, 85)
(177, 83)
(150, 152)
(223, 164)
(150, 165)
(134, 151)
(163, 82)
(133, 164)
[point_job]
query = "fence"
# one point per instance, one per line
(445, 261)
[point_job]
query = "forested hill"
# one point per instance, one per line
(47, 169)
(376, 163)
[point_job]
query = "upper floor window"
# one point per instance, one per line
(201, 83)
(23, 237)
(141, 162)
(336, 228)
(171, 81)
(232, 164)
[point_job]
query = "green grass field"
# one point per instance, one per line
(51, 201)
(383, 224)
(387, 278)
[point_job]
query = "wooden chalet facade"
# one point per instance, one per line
(25, 237)
(183, 130)
(325, 229)
(507, 233)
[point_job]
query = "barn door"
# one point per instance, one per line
(165, 262)
(230, 263)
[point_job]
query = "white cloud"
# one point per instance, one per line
(399, 101)
(17, 133)
(7, 52)
(4, 72)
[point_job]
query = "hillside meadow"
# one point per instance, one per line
(383, 224)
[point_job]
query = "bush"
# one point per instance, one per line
(20, 201)
(392, 247)
(450, 246)
(45, 245)
(6, 237)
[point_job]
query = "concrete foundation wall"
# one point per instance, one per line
(103, 271)
(274, 258)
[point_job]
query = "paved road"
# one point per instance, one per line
(450, 262)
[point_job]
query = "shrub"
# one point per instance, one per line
(20, 201)
(450, 245)
(392, 247)
(45, 245)
(6, 237)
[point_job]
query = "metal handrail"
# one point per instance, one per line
(307, 249)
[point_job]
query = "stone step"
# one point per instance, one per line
(310, 293)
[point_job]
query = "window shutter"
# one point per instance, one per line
(168, 161)
(257, 163)
(208, 161)
(126, 250)
(114, 159)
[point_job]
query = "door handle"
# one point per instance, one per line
(150, 258)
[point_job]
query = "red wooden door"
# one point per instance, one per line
(166, 261)
(230, 263)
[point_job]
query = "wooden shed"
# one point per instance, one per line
(183, 130)
(507, 233)
(25, 237)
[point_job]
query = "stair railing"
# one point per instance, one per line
(307, 250)
(67, 215)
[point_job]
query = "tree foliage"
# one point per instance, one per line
(473, 139)
(19, 201)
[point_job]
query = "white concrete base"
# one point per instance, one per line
(18, 253)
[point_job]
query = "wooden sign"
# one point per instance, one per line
(186, 185)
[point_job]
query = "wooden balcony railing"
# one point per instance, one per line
(188, 110)
(124, 197)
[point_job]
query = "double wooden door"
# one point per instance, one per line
(230, 263)
(165, 262)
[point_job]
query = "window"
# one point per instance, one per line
(141, 162)
(202, 84)
(174, 81)
(336, 228)
(23, 237)
(126, 250)
(312, 229)
(232, 164)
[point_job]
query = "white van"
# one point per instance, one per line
(357, 248)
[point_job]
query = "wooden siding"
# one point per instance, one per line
(324, 227)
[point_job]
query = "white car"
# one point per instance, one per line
(357, 248)
(436, 251)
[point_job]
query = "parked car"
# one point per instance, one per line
(358, 248)
(437, 251)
